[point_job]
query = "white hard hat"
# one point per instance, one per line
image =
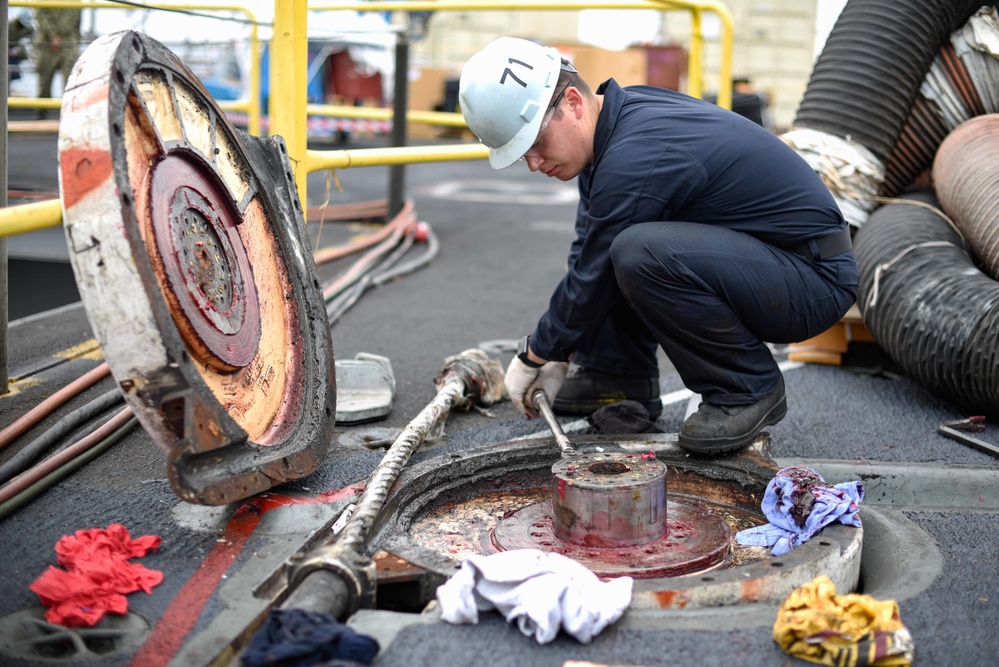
(504, 92)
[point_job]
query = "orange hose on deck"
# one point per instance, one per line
(352, 274)
(32, 475)
(36, 414)
(400, 220)
(340, 212)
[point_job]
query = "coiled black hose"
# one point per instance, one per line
(866, 79)
(927, 304)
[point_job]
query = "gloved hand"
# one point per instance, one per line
(522, 381)
(519, 378)
(549, 380)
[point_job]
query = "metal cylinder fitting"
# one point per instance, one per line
(609, 500)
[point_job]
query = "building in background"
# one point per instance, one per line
(775, 44)
(774, 48)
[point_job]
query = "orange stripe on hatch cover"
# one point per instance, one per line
(83, 170)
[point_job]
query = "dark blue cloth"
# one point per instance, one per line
(718, 197)
(298, 638)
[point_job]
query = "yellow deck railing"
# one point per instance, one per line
(288, 109)
(251, 105)
(287, 99)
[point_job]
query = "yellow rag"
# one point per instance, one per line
(842, 630)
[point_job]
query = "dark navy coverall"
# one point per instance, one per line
(683, 233)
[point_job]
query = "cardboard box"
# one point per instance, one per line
(426, 93)
(426, 87)
(830, 345)
(596, 65)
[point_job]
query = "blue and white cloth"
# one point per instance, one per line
(782, 505)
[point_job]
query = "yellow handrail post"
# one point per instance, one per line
(253, 113)
(694, 86)
(725, 66)
(288, 85)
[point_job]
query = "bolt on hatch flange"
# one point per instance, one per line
(190, 253)
(446, 508)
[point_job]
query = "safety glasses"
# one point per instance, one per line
(531, 152)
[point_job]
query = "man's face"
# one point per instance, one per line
(559, 151)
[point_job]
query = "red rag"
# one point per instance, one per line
(97, 575)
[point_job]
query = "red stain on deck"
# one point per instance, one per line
(182, 613)
(83, 170)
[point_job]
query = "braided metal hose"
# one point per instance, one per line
(337, 577)
(369, 506)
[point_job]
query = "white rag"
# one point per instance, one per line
(542, 591)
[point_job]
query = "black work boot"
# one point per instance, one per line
(585, 391)
(715, 429)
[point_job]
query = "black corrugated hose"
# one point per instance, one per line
(928, 305)
(866, 79)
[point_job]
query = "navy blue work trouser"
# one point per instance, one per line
(712, 297)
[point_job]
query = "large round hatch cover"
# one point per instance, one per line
(190, 253)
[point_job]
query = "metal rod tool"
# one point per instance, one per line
(541, 401)
(970, 440)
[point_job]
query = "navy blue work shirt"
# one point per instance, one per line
(660, 155)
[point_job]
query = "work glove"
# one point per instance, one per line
(522, 381)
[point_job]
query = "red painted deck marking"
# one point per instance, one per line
(182, 613)
(672, 599)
